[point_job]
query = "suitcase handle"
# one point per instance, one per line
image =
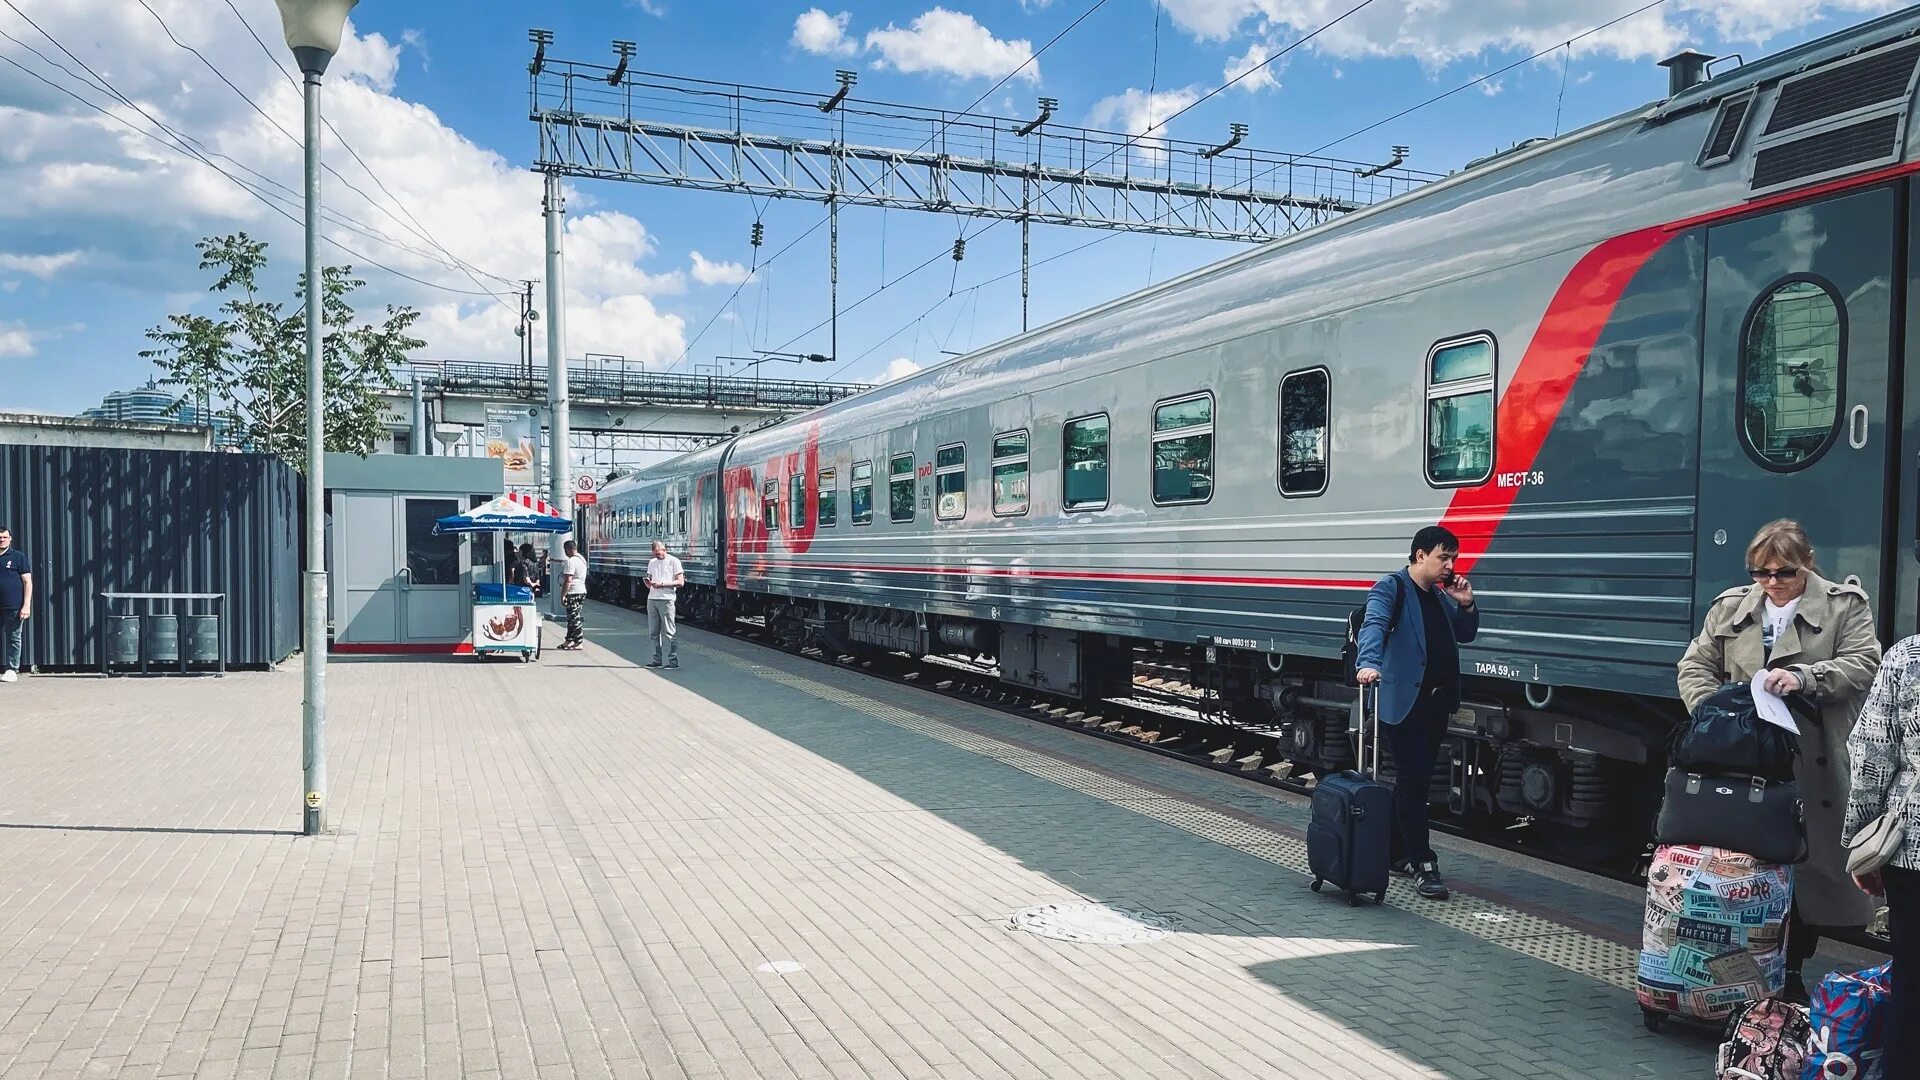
(1361, 739)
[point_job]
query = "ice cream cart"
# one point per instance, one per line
(505, 619)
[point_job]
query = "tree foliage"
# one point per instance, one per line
(249, 358)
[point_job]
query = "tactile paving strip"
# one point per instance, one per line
(1543, 939)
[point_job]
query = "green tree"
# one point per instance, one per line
(249, 359)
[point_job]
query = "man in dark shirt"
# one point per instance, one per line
(16, 603)
(1409, 644)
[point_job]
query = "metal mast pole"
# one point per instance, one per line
(559, 433)
(313, 716)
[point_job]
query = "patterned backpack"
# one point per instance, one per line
(1849, 1025)
(1765, 1040)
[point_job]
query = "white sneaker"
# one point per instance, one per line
(9, 676)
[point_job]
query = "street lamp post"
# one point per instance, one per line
(770, 356)
(313, 29)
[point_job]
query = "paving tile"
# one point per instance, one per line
(577, 868)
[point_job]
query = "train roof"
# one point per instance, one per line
(1769, 69)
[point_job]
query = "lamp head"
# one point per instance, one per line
(313, 29)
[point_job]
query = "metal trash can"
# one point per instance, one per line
(123, 640)
(202, 638)
(163, 639)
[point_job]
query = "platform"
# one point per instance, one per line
(754, 866)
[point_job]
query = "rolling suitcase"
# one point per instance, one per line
(1715, 933)
(1350, 839)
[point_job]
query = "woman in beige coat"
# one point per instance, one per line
(1816, 639)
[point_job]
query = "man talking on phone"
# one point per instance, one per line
(1409, 645)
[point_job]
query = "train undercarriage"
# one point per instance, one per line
(1575, 771)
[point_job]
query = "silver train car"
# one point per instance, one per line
(1603, 361)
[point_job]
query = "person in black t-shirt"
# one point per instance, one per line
(16, 603)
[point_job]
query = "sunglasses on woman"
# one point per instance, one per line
(1785, 573)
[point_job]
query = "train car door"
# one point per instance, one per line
(1794, 418)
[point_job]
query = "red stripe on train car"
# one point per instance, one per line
(1163, 577)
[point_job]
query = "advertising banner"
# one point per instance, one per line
(513, 436)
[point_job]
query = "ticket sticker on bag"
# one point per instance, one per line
(1689, 965)
(1735, 967)
(1715, 935)
(1655, 974)
(1726, 997)
(1760, 890)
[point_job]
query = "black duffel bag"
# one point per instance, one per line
(1748, 814)
(1726, 737)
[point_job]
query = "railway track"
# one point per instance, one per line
(1163, 717)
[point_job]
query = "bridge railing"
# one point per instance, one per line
(627, 384)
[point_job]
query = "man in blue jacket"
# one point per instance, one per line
(1409, 644)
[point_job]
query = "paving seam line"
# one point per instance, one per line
(1568, 948)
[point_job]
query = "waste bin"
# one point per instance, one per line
(123, 640)
(202, 634)
(163, 639)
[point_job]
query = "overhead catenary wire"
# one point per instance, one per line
(1399, 115)
(456, 262)
(182, 146)
(1008, 77)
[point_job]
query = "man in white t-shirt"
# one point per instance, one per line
(664, 578)
(573, 593)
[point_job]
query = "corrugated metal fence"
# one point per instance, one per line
(98, 520)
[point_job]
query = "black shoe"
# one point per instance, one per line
(673, 663)
(655, 662)
(1428, 884)
(1403, 868)
(1795, 990)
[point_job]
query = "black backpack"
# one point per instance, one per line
(1350, 652)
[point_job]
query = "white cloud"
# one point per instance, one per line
(952, 43)
(135, 209)
(817, 32)
(899, 368)
(1442, 31)
(15, 341)
(651, 7)
(1256, 55)
(1137, 112)
(709, 272)
(40, 266)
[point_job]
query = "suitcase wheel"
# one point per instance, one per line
(1354, 899)
(1653, 1020)
(1314, 885)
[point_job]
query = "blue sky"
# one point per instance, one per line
(97, 228)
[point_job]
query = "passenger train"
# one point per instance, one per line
(1602, 360)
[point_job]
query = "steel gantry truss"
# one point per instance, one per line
(618, 123)
(662, 129)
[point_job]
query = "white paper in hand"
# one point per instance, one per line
(1771, 707)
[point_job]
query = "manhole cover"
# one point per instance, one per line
(1091, 924)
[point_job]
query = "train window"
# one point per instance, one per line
(861, 491)
(681, 498)
(1460, 411)
(1183, 450)
(1010, 464)
(770, 504)
(1790, 374)
(1084, 446)
(950, 482)
(827, 500)
(900, 488)
(1303, 432)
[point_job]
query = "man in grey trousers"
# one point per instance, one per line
(664, 578)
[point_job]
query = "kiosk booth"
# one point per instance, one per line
(505, 618)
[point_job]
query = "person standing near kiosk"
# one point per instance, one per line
(664, 578)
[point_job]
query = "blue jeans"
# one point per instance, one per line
(10, 633)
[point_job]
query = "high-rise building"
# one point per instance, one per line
(155, 404)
